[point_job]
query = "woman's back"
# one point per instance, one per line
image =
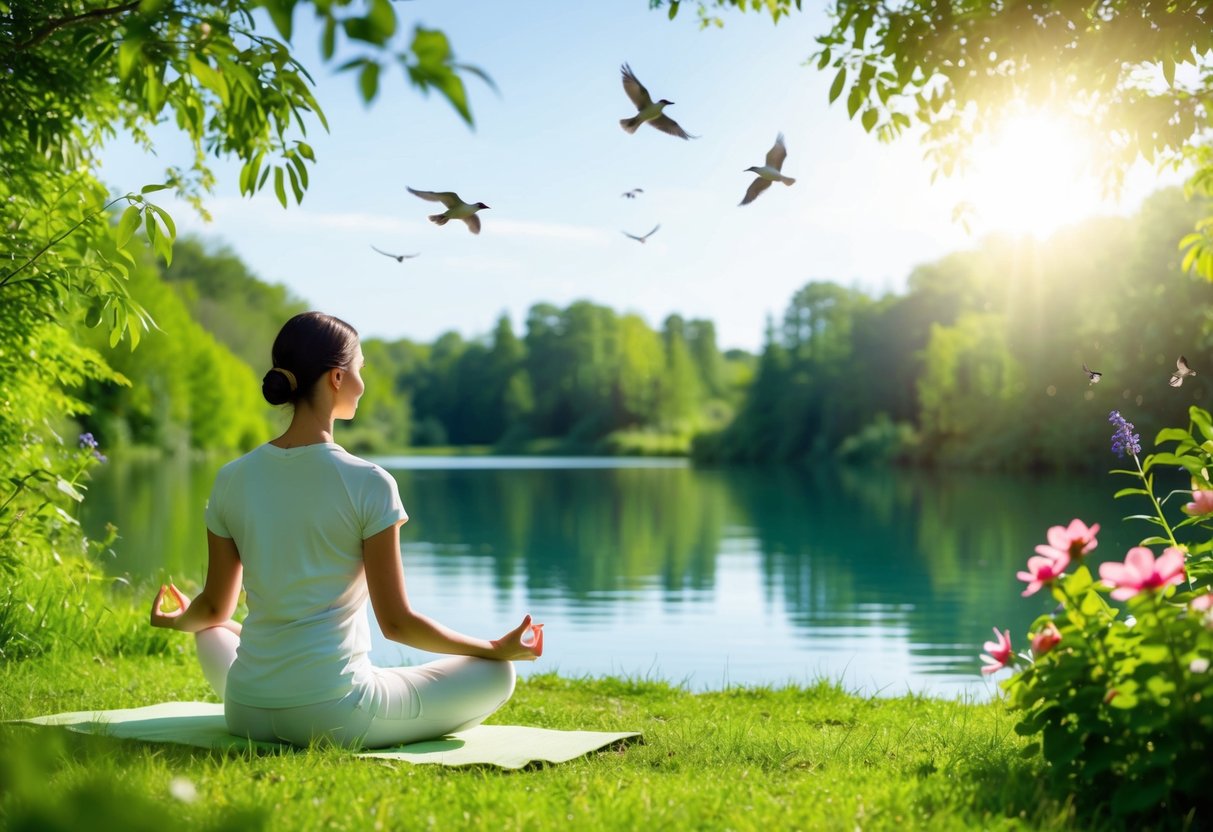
(298, 517)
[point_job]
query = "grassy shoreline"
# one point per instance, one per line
(742, 758)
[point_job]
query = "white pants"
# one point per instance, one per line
(401, 704)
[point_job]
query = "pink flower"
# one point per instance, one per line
(1045, 568)
(1204, 603)
(1142, 573)
(1073, 541)
(1045, 640)
(1202, 502)
(999, 651)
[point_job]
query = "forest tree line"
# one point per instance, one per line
(978, 363)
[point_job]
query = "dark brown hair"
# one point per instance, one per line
(308, 346)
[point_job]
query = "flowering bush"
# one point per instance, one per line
(1121, 700)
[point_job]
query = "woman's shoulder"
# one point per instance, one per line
(356, 464)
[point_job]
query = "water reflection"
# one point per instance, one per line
(887, 579)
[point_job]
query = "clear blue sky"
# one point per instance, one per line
(550, 158)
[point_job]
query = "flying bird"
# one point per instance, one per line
(649, 111)
(399, 258)
(632, 193)
(456, 208)
(1091, 374)
(1181, 369)
(768, 172)
(645, 237)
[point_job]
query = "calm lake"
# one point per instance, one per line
(886, 580)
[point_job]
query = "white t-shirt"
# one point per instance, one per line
(298, 517)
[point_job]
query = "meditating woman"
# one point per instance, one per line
(311, 531)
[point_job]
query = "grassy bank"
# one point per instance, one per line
(815, 758)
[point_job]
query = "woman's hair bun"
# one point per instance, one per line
(308, 346)
(276, 388)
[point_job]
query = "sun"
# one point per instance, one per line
(1030, 175)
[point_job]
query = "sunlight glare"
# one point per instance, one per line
(1031, 176)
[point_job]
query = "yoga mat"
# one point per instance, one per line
(201, 724)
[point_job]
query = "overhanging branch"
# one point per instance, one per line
(53, 26)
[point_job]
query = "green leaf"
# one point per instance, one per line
(368, 81)
(65, 517)
(128, 56)
(840, 81)
(149, 189)
(68, 489)
(1194, 250)
(280, 186)
(1155, 541)
(301, 168)
(868, 120)
(824, 60)
(383, 18)
(1172, 435)
(1202, 421)
(295, 189)
(127, 225)
(281, 12)
(169, 225)
(93, 317)
(433, 69)
(208, 77)
(1124, 492)
(854, 100)
(328, 41)
(673, 12)
(153, 89)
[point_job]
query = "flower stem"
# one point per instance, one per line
(1157, 508)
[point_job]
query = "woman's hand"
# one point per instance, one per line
(524, 643)
(168, 620)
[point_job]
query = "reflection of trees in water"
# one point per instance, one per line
(930, 554)
(580, 530)
(158, 507)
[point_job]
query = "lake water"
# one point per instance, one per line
(886, 580)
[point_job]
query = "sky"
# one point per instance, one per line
(549, 157)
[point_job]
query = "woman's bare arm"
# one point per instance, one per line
(215, 604)
(400, 622)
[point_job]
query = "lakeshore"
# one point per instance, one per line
(741, 758)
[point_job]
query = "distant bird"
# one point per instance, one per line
(1091, 374)
(632, 193)
(399, 258)
(1181, 369)
(769, 172)
(649, 110)
(645, 237)
(456, 208)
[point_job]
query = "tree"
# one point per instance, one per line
(1139, 75)
(74, 75)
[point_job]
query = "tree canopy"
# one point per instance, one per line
(73, 76)
(1138, 74)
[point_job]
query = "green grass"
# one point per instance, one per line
(761, 759)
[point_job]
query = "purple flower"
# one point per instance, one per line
(87, 440)
(1124, 439)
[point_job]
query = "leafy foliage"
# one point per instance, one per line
(1138, 75)
(584, 376)
(979, 361)
(1123, 705)
(76, 75)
